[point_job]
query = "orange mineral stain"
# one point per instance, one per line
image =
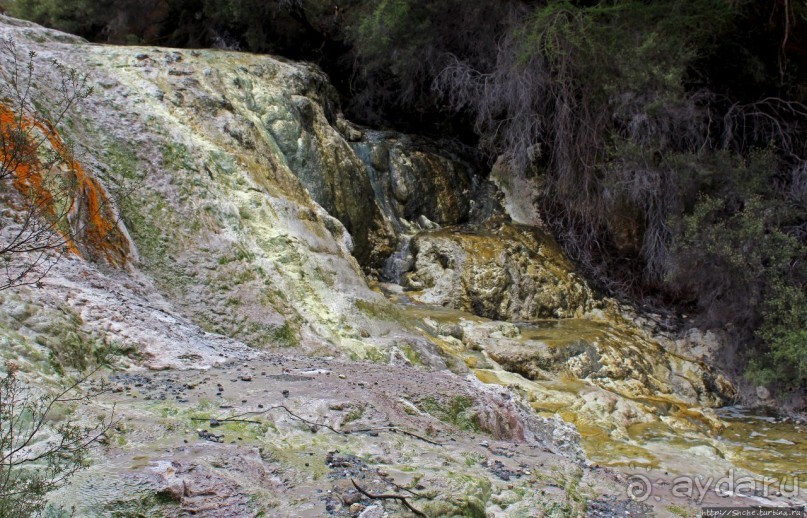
(79, 199)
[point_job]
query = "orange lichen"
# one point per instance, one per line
(63, 192)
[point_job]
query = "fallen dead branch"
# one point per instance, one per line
(396, 429)
(225, 420)
(400, 498)
(238, 419)
(279, 407)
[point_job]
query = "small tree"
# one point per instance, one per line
(36, 232)
(54, 207)
(50, 207)
(36, 457)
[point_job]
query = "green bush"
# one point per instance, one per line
(783, 359)
(73, 16)
(744, 274)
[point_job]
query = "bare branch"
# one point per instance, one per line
(403, 499)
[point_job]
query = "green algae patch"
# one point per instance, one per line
(380, 310)
(457, 411)
(411, 355)
(297, 454)
(284, 335)
(468, 497)
(362, 351)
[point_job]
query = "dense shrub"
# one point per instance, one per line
(744, 273)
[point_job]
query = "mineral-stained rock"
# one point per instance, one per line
(507, 272)
(201, 491)
(242, 199)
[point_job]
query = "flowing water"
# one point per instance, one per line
(765, 444)
(399, 262)
(663, 433)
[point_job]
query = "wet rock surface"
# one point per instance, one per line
(503, 272)
(257, 372)
(292, 441)
(301, 453)
(613, 507)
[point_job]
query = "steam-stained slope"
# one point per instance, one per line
(196, 149)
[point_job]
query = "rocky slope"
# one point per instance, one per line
(255, 224)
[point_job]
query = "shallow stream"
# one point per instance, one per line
(661, 432)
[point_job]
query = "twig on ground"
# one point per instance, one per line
(413, 493)
(225, 420)
(400, 498)
(236, 418)
(396, 429)
(288, 411)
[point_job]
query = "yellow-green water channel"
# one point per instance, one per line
(671, 436)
